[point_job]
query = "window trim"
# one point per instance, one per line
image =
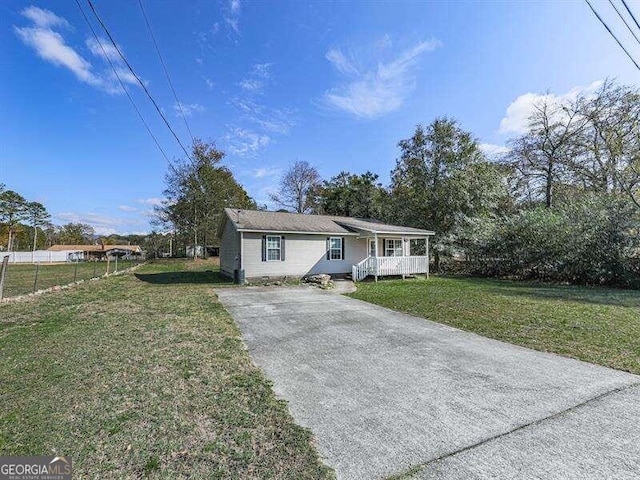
(332, 249)
(395, 247)
(279, 249)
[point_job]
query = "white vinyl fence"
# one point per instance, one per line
(43, 256)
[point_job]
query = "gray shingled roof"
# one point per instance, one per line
(264, 221)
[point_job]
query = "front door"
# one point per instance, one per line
(372, 248)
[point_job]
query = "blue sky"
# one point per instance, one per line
(335, 84)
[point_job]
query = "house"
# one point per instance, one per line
(278, 244)
(101, 252)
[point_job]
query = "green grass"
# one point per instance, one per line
(20, 277)
(598, 325)
(143, 375)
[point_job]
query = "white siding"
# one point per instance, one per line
(304, 255)
(229, 249)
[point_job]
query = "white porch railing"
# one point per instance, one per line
(381, 266)
(362, 270)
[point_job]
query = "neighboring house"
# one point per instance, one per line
(101, 252)
(279, 244)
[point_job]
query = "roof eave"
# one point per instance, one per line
(301, 232)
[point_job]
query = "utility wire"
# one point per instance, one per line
(612, 34)
(631, 13)
(144, 87)
(166, 71)
(625, 21)
(115, 71)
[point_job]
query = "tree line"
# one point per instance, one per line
(26, 225)
(562, 205)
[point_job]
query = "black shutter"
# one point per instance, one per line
(328, 248)
(384, 247)
(264, 248)
(343, 244)
(282, 248)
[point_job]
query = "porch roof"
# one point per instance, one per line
(264, 221)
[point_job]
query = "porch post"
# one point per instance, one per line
(404, 254)
(426, 239)
(375, 236)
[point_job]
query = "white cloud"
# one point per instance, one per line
(378, 91)
(516, 118)
(209, 82)
(150, 201)
(233, 17)
(51, 47)
(251, 85)
(245, 142)
(127, 208)
(103, 49)
(103, 225)
(340, 62)
(493, 150)
(273, 120)
(265, 172)
(188, 109)
(255, 82)
(44, 18)
(262, 70)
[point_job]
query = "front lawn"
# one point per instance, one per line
(598, 325)
(143, 374)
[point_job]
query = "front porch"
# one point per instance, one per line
(390, 254)
(384, 266)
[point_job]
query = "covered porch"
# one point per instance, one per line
(392, 253)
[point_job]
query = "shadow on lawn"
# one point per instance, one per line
(184, 277)
(565, 293)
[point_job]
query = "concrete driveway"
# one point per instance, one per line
(386, 393)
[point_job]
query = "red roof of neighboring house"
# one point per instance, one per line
(94, 248)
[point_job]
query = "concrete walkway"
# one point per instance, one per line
(386, 393)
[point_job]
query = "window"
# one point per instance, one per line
(418, 247)
(372, 248)
(273, 248)
(393, 247)
(335, 248)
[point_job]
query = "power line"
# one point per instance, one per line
(166, 71)
(144, 87)
(631, 13)
(612, 34)
(115, 71)
(625, 21)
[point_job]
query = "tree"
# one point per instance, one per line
(298, 187)
(440, 179)
(541, 154)
(352, 195)
(12, 212)
(609, 159)
(38, 217)
(75, 234)
(197, 190)
(590, 240)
